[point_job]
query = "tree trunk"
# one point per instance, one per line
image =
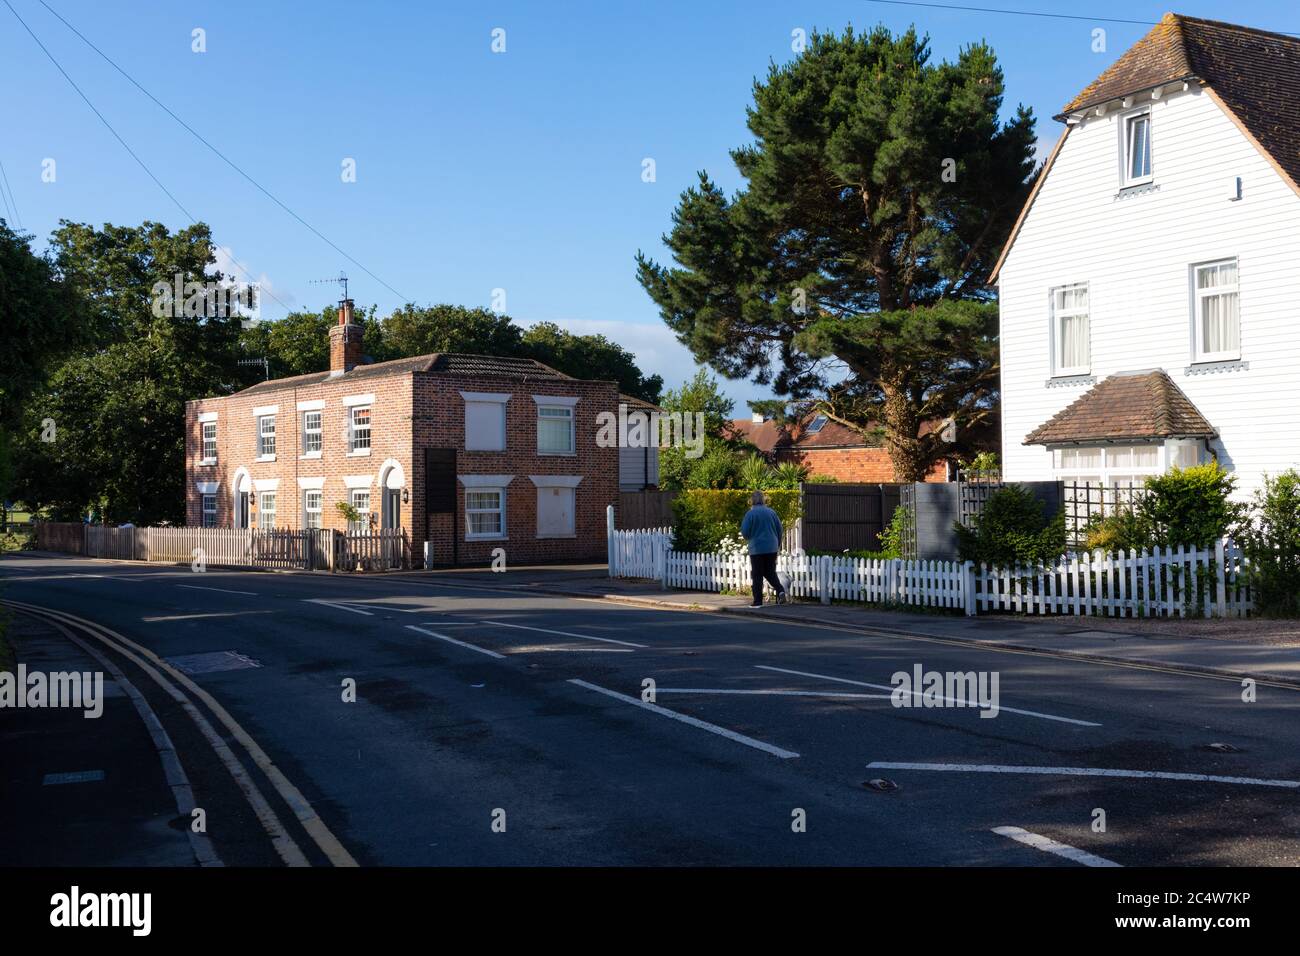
(902, 434)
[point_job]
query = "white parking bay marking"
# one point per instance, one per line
(775, 693)
(1085, 772)
(1003, 708)
(195, 587)
(338, 606)
(701, 724)
(543, 630)
(1048, 845)
(538, 648)
(452, 640)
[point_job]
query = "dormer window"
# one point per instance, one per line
(1136, 131)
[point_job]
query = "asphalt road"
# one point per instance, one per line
(495, 728)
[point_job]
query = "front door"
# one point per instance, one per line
(243, 509)
(392, 507)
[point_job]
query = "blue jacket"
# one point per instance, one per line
(762, 529)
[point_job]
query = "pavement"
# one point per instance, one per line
(467, 718)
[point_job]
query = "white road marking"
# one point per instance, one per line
(341, 607)
(195, 587)
(701, 724)
(452, 640)
(76, 776)
(1048, 845)
(194, 617)
(1085, 772)
(534, 648)
(777, 693)
(543, 630)
(1003, 708)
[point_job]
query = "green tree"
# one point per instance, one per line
(420, 330)
(719, 465)
(298, 344)
(589, 356)
(880, 189)
(106, 431)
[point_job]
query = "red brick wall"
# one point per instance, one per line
(412, 411)
(854, 464)
(440, 423)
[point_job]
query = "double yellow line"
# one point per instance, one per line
(156, 668)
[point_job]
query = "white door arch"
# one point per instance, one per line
(241, 490)
(392, 483)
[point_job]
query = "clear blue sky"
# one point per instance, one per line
(475, 170)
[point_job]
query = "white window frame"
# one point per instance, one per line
(308, 510)
(1127, 122)
(1060, 370)
(204, 441)
(1198, 296)
(500, 510)
(556, 403)
(262, 523)
(205, 511)
(358, 434)
(265, 438)
(313, 436)
(362, 524)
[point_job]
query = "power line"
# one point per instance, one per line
(248, 274)
(4, 184)
(1029, 13)
(224, 158)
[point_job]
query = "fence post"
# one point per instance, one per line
(661, 561)
(609, 538)
(824, 578)
(968, 587)
(1220, 580)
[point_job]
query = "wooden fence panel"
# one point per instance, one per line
(638, 510)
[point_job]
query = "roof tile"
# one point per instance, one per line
(1126, 407)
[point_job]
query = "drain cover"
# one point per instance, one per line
(212, 662)
(881, 785)
(1223, 748)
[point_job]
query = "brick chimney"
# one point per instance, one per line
(345, 341)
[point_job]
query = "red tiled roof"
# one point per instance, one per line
(770, 435)
(1125, 407)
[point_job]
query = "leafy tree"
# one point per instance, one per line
(419, 330)
(1271, 541)
(880, 188)
(116, 412)
(719, 465)
(298, 344)
(589, 356)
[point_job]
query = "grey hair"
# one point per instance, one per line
(756, 498)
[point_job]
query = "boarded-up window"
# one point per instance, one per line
(485, 426)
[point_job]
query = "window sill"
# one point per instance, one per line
(310, 454)
(207, 462)
(486, 537)
(264, 458)
(557, 454)
(1211, 366)
(557, 537)
(360, 453)
(1137, 189)
(1064, 381)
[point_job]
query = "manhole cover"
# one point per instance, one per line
(211, 662)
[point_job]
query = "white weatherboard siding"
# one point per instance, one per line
(1135, 253)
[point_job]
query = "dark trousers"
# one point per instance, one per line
(763, 566)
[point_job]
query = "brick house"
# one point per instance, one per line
(468, 452)
(825, 448)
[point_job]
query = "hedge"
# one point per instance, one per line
(704, 516)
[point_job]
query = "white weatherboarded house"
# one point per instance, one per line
(1150, 291)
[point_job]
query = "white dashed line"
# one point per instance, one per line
(775, 693)
(1002, 708)
(195, 587)
(701, 724)
(1085, 772)
(1048, 845)
(452, 640)
(338, 606)
(543, 630)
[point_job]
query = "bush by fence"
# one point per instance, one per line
(703, 516)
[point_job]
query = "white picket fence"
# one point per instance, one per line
(1169, 582)
(1173, 582)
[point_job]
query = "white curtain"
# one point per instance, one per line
(1220, 322)
(1074, 341)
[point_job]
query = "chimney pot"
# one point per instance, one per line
(345, 341)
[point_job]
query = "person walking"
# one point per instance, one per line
(762, 530)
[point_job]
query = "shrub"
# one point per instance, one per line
(788, 475)
(1190, 506)
(1126, 530)
(754, 473)
(894, 539)
(1271, 541)
(1013, 529)
(703, 517)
